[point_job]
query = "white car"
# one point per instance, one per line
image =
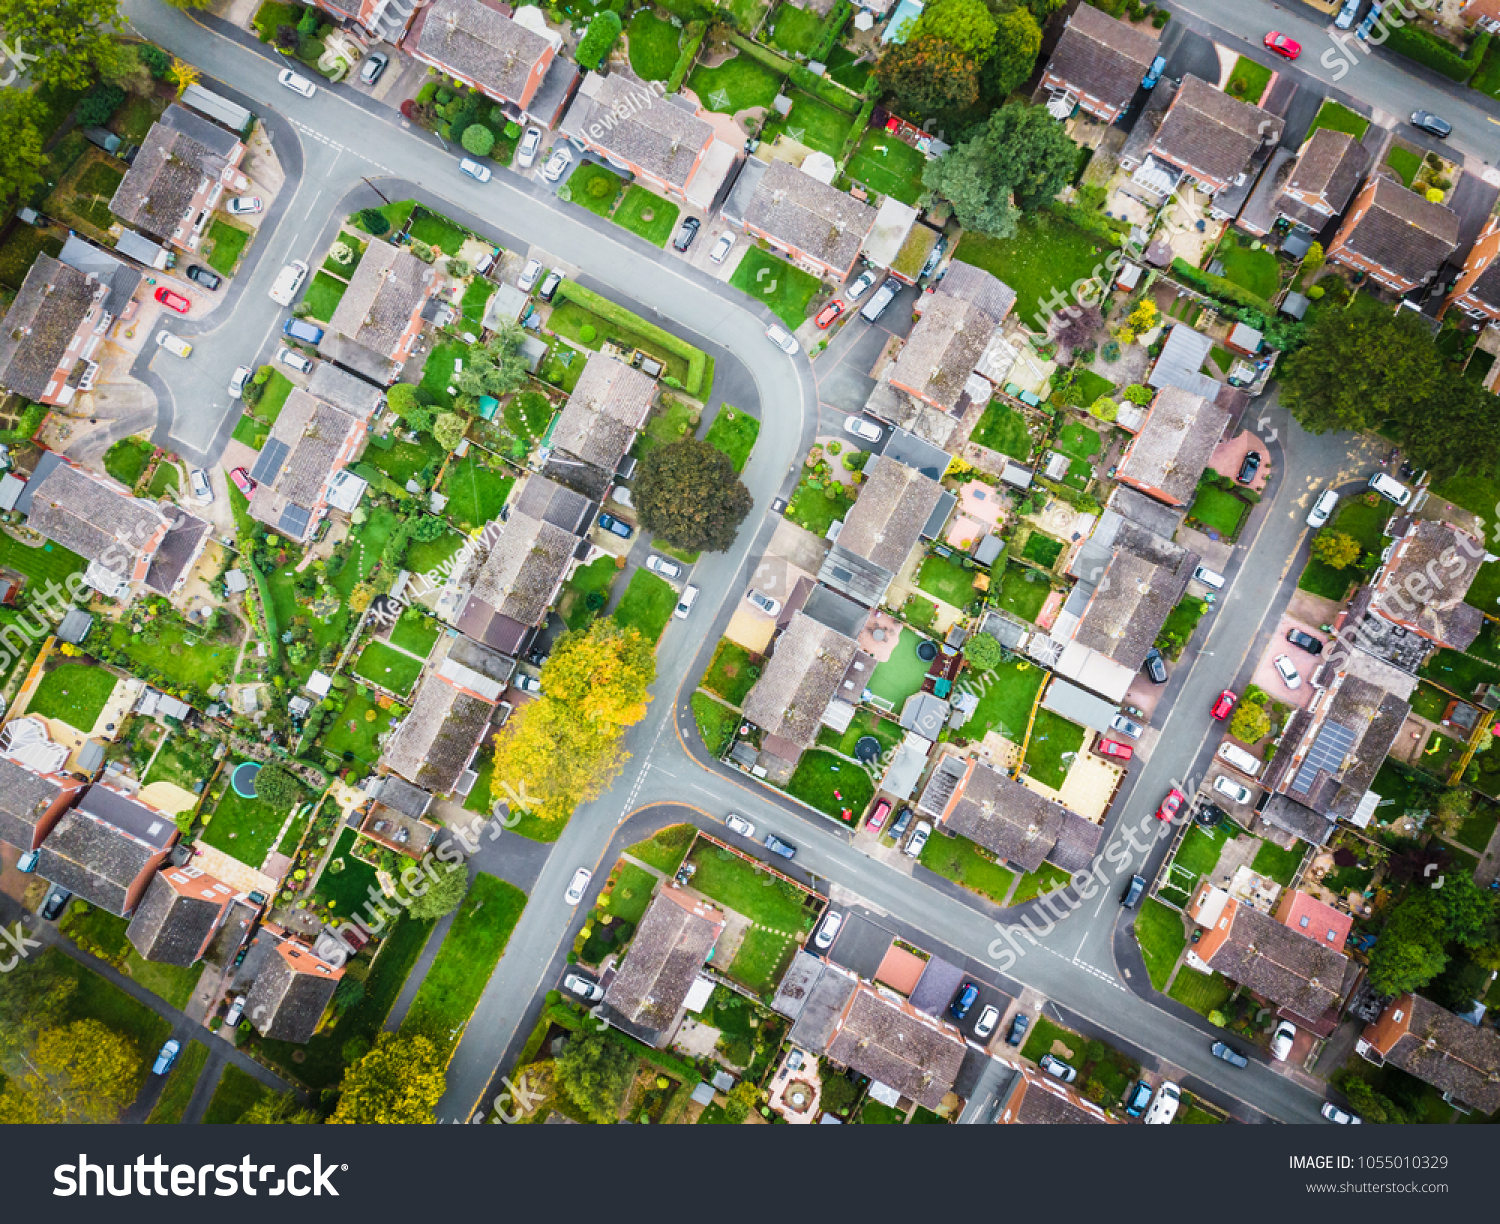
(722, 247)
(1288, 671)
(764, 602)
(236, 1010)
(557, 165)
(202, 490)
(300, 362)
(1126, 727)
(987, 1020)
(477, 171)
(1163, 1105)
(297, 84)
(1322, 508)
(918, 838)
(861, 286)
(242, 206)
(590, 992)
(237, 381)
(1281, 1040)
(685, 604)
(527, 683)
(740, 825)
(529, 275)
(861, 428)
(581, 879)
(1334, 1114)
(660, 565)
(526, 151)
(174, 344)
(783, 340)
(287, 282)
(1231, 789)
(829, 930)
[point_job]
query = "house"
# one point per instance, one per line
(1442, 1049)
(1034, 1098)
(810, 221)
(126, 540)
(1180, 363)
(52, 332)
(1304, 913)
(439, 736)
(811, 666)
(345, 391)
(1477, 290)
(505, 57)
(1176, 440)
(32, 803)
(310, 444)
(291, 992)
(959, 323)
(895, 1044)
(971, 799)
(1398, 238)
(1303, 976)
(1130, 604)
(1323, 179)
(393, 817)
(608, 407)
(676, 935)
(1098, 64)
(185, 167)
(1481, 14)
(897, 507)
(381, 310)
(663, 141)
(381, 20)
(898, 243)
(1211, 137)
(1423, 583)
(179, 915)
(107, 849)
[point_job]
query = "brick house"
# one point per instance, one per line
(107, 849)
(1398, 238)
(1098, 63)
(32, 803)
(504, 57)
(1439, 1048)
(52, 331)
(291, 992)
(810, 221)
(1165, 459)
(381, 310)
(808, 669)
(676, 936)
(1034, 1098)
(605, 411)
(1323, 179)
(181, 912)
(1212, 137)
(897, 507)
(1422, 585)
(959, 324)
(310, 444)
(381, 20)
(1477, 290)
(891, 1041)
(447, 722)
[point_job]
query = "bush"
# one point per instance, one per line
(99, 105)
(374, 221)
(1218, 287)
(512, 129)
(1432, 52)
(696, 358)
(694, 31)
(478, 140)
(595, 46)
(157, 61)
(1314, 292)
(587, 334)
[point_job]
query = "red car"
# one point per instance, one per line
(1283, 45)
(173, 301)
(877, 817)
(1170, 805)
(1224, 705)
(829, 313)
(1111, 749)
(242, 481)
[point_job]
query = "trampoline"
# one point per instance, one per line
(926, 651)
(243, 779)
(867, 749)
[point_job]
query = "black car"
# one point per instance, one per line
(686, 233)
(1018, 1028)
(776, 846)
(1432, 124)
(1304, 641)
(1156, 666)
(57, 901)
(209, 280)
(615, 527)
(1133, 891)
(1249, 468)
(963, 1001)
(898, 830)
(1229, 1054)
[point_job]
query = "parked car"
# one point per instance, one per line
(57, 901)
(167, 1057)
(244, 206)
(1288, 671)
(898, 830)
(963, 1001)
(302, 332)
(1059, 1069)
(202, 276)
(477, 171)
(527, 150)
(1171, 805)
(579, 884)
(660, 565)
(830, 314)
(877, 817)
(1322, 508)
(609, 523)
(685, 604)
(242, 481)
(1304, 641)
(1164, 1108)
(371, 69)
(764, 602)
(862, 285)
(202, 489)
(918, 839)
(236, 1010)
(1018, 1027)
(1281, 1040)
(1287, 48)
(985, 1025)
(1391, 490)
(776, 846)
(175, 345)
(173, 301)
(739, 824)
(297, 84)
(783, 339)
(588, 991)
(829, 930)
(1153, 73)
(1224, 705)
(862, 427)
(1138, 1100)
(1334, 1114)
(1249, 468)
(287, 282)
(294, 359)
(26, 864)
(1113, 748)
(529, 275)
(557, 165)
(1229, 1054)
(527, 683)
(1125, 727)
(1347, 14)
(237, 381)
(1133, 890)
(1433, 125)
(1231, 789)
(549, 286)
(884, 296)
(721, 250)
(686, 232)
(1156, 666)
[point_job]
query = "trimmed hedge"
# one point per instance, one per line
(861, 123)
(696, 358)
(833, 26)
(1218, 287)
(694, 31)
(1108, 230)
(826, 89)
(1433, 52)
(603, 32)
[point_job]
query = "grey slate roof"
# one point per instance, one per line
(1130, 605)
(176, 552)
(553, 503)
(179, 151)
(1433, 549)
(1180, 363)
(118, 277)
(310, 441)
(291, 994)
(619, 114)
(1331, 165)
(100, 861)
(1102, 56)
(802, 677)
(1175, 443)
(25, 798)
(980, 289)
(1280, 963)
(878, 1038)
(814, 217)
(345, 391)
(387, 289)
(664, 959)
(177, 915)
(1403, 232)
(481, 43)
(887, 519)
(94, 518)
(1212, 132)
(1371, 718)
(1011, 820)
(397, 793)
(943, 350)
(53, 300)
(437, 738)
(606, 408)
(1448, 1052)
(525, 565)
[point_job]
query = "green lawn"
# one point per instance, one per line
(793, 30)
(812, 123)
(229, 243)
(735, 85)
(430, 557)
(176, 651)
(732, 672)
(813, 510)
(1248, 80)
(1005, 699)
(948, 579)
(98, 931)
(889, 166)
(1043, 254)
(75, 693)
(1045, 878)
(761, 959)
(437, 232)
(437, 374)
(49, 562)
(1177, 629)
(323, 296)
(646, 214)
(1478, 493)
(832, 785)
(1429, 702)
(388, 668)
(476, 492)
(473, 947)
(1218, 509)
(1477, 830)
(1258, 271)
(666, 848)
(568, 319)
(716, 722)
(184, 760)
(652, 45)
(1201, 847)
(670, 420)
(1200, 991)
(1341, 119)
(164, 481)
(960, 860)
(356, 732)
(1404, 162)
(416, 633)
(865, 722)
(1003, 428)
(181, 1081)
(1054, 743)
(1158, 930)
(237, 1091)
(1023, 591)
(843, 69)
(248, 829)
(593, 187)
(126, 460)
(902, 674)
(737, 883)
(1460, 673)
(528, 413)
(734, 432)
(1042, 549)
(589, 585)
(1281, 865)
(1046, 1037)
(647, 604)
(920, 612)
(407, 460)
(273, 398)
(776, 284)
(476, 300)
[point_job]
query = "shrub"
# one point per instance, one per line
(587, 334)
(157, 61)
(694, 31)
(99, 105)
(512, 128)
(1218, 287)
(374, 221)
(1138, 394)
(422, 251)
(478, 140)
(308, 23)
(1433, 52)
(595, 46)
(1314, 293)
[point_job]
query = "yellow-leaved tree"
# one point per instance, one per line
(399, 1082)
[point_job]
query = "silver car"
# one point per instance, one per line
(1322, 508)
(590, 992)
(1231, 789)
(202, 490)
(526, 151)
(660, 565)
(918, 839)
(557, 165)
(738, 824)
(579, 885)
(828, 932)
(529, 275)
(862, 428)
(1288, 671)
(782, 339)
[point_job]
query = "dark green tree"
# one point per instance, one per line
(1410, 951)
(73, 40)
(594, 47)
(279, 787)
(443, 895)
(496, 367)
(1012, 54)
(374, 221)
(689, 493)
(594, 1070)
(983, 652)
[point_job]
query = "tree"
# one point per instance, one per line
(1012, 56)
(286, 39)
(688, 493)
(374, 221)
(594, 47)
(279, 786)
(478, 139)
(442, 897)
(1079, 326)
(73, 40)
(1314, 258)
(1020, 159)
(497, 367)
(741, 1101)
(182, 75)
(1366, 1102)
(34, 996)
(594, 1070)
(281, 1110)
(1460, 985)
(965, 25)
(1250, 723)
(927, 74)
(1335, 549)
(1105, 409)
(83, 1072)
(1410, 951)
(400, 1081)
(99, 105)
(983, 652)
(1454, 806)
(401, 398)
(449, 429)
(23, 164)
(1468, 911)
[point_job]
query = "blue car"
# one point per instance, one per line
(167, 1057)
(1139, 1099)
(960, 1006)
(1153, 73)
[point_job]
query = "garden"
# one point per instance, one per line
(738, 84)
(1006, 695)
(716, 722)
(246, 829)
(391, 669)
(1022, 591)
(74, 693)
(127, 460)
(1044, 252)
(967, 865)
(947, 578)
(1159, 931)
(1053, 745)
(354, 735)
(834, 786)
(782, 913)
(889, 166)
(646, 215)
(477, 487)
(1218, 509)
(1003, 428)
(779, 286)
(734, 432)
(647, 605)
(902, 674)
(733, 672)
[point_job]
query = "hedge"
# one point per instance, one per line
(1108, 230)
(696, 358)
(851, 141)
(826, 89)
(1433, 52)
(695, 30)
(596, 44)
(833, 26)
(1218, 287)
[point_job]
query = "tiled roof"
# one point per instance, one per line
(1330, 165)
(887, 520)
(1449, 1053)
(812, 216)
(803, 676)
(483, 44)
(1102, 56)
(309, 443)
(1447, 564)
(344, 390)
(40, 324)
(94, 518)
(1280, 964)
(1403, 232)
(94, 860)
(179, 152)
(1175, 443)
(879, 1038)
(525, 565)
(386, 291)
(176, 552)
(291, 994)
(607, 407)
(25, 797)
(545, 499)
(665, 956)
(1014, 822)
(1211, 132)
(437, 738)
(660, 135)
(977, 287)
(943, 351)
(1353, 729)
(1130, 605)
(177, 915)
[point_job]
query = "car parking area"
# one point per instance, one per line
(1268, 678)
(1240, 812)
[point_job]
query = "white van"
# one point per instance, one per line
(1391, 490)
(288, 281)
(174, 344)
(1209, 578)
(1164, 1106)
(685, 605)
(1237, 758)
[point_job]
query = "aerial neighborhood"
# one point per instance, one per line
(972, 515)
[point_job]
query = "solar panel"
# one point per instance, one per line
(294, 520)
(1327, 753)
(272, 456)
